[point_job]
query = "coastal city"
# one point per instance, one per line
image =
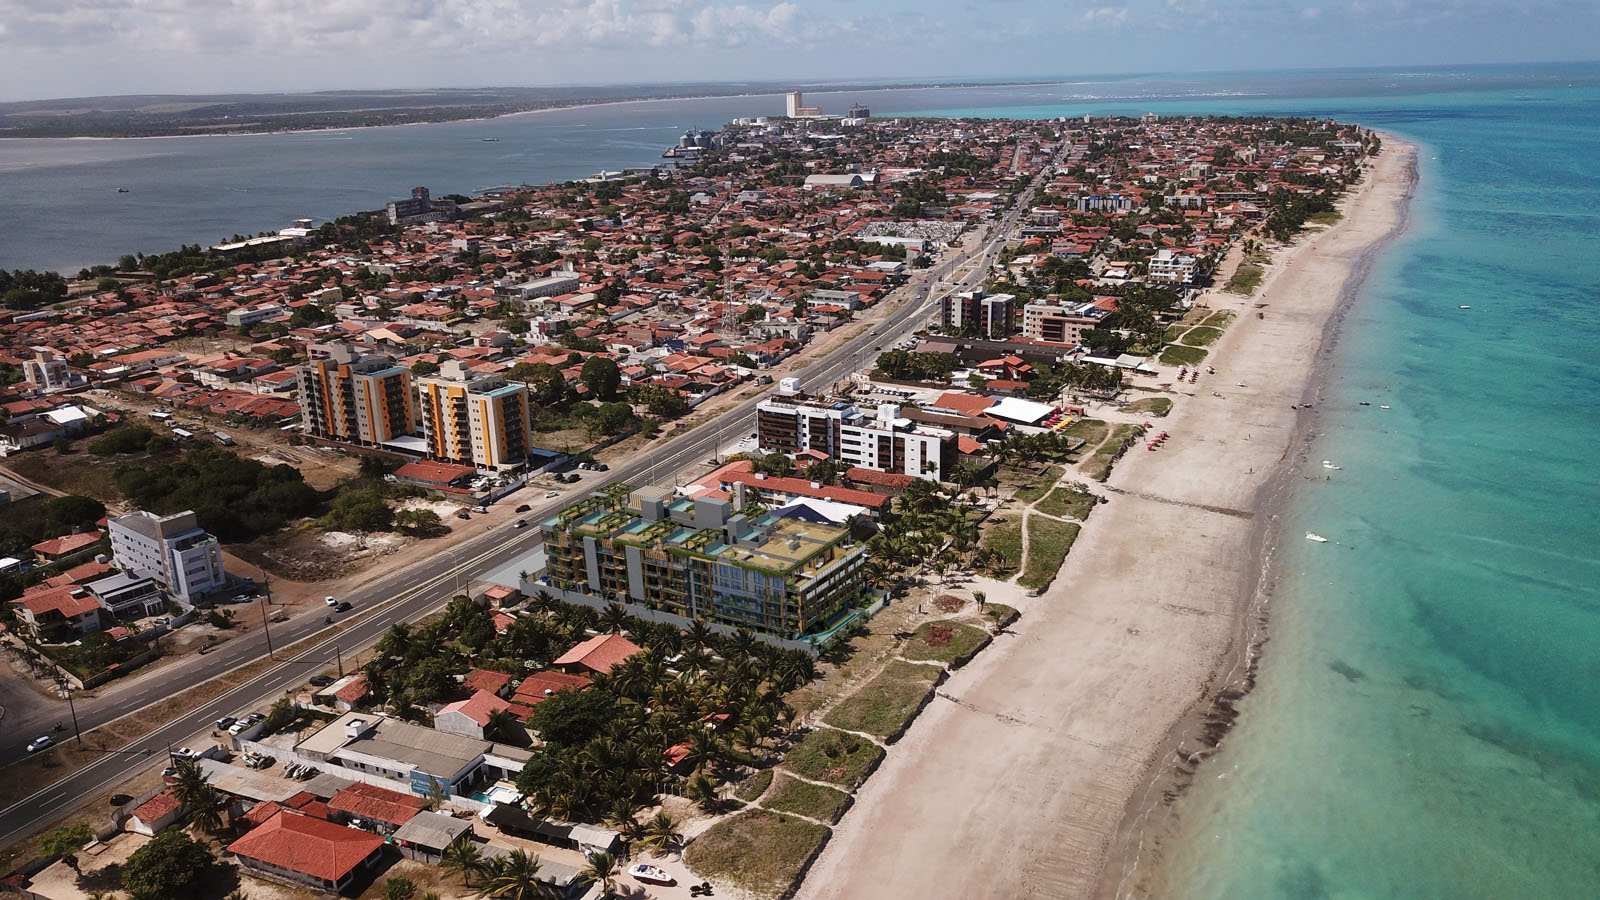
(606, 538)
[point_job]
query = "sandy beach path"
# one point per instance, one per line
(1015, 780)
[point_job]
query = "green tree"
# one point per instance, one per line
(62, 514)
(463, 857)
(601, 375)
(660, 834)
(398, 887)
(172, 865)
(515, 876)
(571, 718)
(279, 715)
(602, 869)
(66, 841)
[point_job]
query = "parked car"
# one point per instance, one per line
(185, 753)
(120, 799)
(240, 727)
(330, 601)
(241, 598)
(601, 467)
(321, 680)
(226, 722)
(523, 508)
(40, 742)
(547, 496)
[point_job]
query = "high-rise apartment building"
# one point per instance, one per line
(994, 315)
(474, 420)
(1060, 323)
(345, 396)
(882, 440)
(173, 550)
(702, 559)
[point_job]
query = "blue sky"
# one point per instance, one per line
(64, 48)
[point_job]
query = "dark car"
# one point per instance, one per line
(519, 524)
(601, 467)
(344, 606)
(226, 722)
(523, 508)
(120, 799)
(321, 680)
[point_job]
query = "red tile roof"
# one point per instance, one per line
(486, 680)
(368, 801)
(532, 689)
(69, 601)
(599, 653)
(477, 707)
(306, 845)
(65, 544)
(161, 805)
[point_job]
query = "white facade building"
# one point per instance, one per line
(181, 556)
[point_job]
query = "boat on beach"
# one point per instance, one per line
(651, 874)
(1313, 536)
(1328, 464)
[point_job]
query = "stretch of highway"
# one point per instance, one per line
(421, 587)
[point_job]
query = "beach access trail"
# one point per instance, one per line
(1019, 778)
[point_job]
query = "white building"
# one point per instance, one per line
(181, 556)
(49, 372)
(881, 439)
(1167, 267)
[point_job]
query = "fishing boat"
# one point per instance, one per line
(651, 874)
(1463, 306)
(1383, 407)
(1328, 464)
(1313, 536)
(1365, 403)
(122, 190)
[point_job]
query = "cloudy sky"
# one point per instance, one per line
(64, 48)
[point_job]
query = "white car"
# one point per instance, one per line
(330, 601)
(40, 742)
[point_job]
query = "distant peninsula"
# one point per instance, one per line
(166, 115)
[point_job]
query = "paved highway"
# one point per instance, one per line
(413, 592)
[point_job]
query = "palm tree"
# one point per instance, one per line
(463, 857)
(980, 598)
(622, 815)
(660, 834)
(515, 876)
(206, 809)
(189, 782)
(702, 790)
(614, 618)
(502, 725)
(602, 868)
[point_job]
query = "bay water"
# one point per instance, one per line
(1427, 717)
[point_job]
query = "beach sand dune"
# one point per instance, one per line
(1029, 774)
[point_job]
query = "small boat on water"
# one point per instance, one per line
(651, 874)
(1313, 536)
(1383, 407)
(1365, 403)
(122, 190)
(1463, 306)
(1328, 464)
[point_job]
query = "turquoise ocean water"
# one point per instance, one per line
(1427, 717)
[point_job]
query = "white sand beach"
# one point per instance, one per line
(1031, 774)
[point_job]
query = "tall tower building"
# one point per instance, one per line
(345, 396)
(474, 420)
(795, 102)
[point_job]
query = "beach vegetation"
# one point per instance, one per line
(1090, 431)
(943, 641)
(1219, 319)
(758, 851)
(1003, 541)
(1202, 336)
(1049, 541)
(1150, 406)
(1245, 279)
(1328, 217)
(1038, 485)
(1179, 355)
(882, 706)
(791, 795)
(1098, 465)
(833, 756)
(1068, 502)
(751, 789)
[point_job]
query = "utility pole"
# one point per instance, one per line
(338, 659)
(266, 629)
(78, 735)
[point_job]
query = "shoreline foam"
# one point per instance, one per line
(1039, 753)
